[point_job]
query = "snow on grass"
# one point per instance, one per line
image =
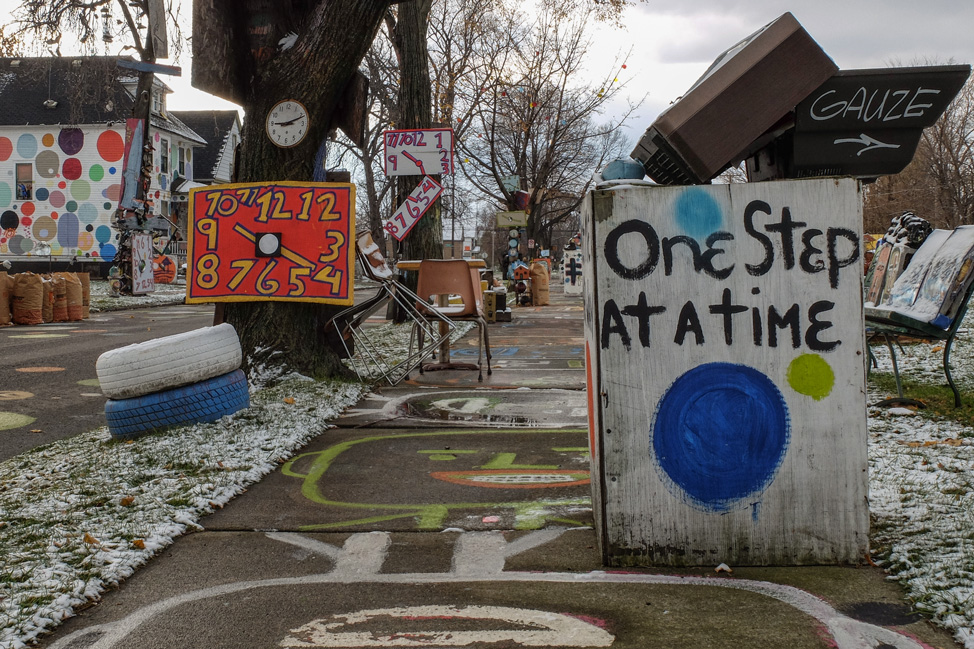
(921, 481)
(79, 515)
(101, 299)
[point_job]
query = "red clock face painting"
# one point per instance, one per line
(271, 241)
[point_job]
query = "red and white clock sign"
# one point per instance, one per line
(418, 152)
(415, 206)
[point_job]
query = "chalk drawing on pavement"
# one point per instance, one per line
(479, 557)
(448, 626)
(486, 469)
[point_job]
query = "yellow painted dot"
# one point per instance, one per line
(14, 395)
(811, 375)
(11, 420)
(42, 336)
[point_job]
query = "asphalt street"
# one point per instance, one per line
(48, 386)
(445, 512)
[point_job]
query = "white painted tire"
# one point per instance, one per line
(169, 362)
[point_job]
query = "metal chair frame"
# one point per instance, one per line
(368, 356)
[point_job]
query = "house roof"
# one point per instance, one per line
(214, 126)
(71, 91)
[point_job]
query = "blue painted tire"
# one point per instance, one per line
(205, 401)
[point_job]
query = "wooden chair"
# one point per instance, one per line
(438, 280)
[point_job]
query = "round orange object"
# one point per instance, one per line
(164, 269)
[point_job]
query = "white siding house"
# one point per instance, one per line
(62, 140)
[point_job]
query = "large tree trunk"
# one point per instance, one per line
(333, 36)
(425, 240)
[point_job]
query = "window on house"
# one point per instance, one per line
(164, 156)
(182, 162)
(25, 182)
(158, 102)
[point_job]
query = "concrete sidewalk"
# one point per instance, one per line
(450, 513)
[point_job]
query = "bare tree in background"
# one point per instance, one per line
(938, 185)
(536, 120)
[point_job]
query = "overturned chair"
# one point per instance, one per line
(370, 356)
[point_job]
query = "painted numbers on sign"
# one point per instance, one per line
(143, 277)
(280, 241)
(418, 152)
(415, 206)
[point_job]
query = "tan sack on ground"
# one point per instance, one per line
(60, 297)
(85, 293)
(28, 299)
(540, 291)
(47, 298)
(74, 295)
(6, 290)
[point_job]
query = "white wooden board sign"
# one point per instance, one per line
(724, 329)
(572, 272)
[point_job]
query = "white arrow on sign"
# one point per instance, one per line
(869, 143)
(545, 629)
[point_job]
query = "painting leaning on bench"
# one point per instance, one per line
(932, 287)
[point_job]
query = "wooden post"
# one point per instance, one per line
(724, 332)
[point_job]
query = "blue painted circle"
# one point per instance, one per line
(697, 213)
(27, 146)
(720, 433)
(103, 234)
(42, 194)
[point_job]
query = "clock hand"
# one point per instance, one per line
(287, 123)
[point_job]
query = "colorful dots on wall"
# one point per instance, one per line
(111, 146)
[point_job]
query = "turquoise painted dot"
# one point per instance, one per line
(27, 146)
(697, 213)
(96, 173)
(6, 195)
(106, 206)
(71, 206)
(103, 234)
(88, 213)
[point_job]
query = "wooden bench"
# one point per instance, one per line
(928, 301)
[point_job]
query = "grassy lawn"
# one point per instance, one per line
(938, 399)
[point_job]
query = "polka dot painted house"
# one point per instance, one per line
(62, 145)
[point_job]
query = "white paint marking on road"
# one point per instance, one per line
(312, 545)
(479, 553)
(549, 629)
(363, 554)
(846, 632)
(467, 405)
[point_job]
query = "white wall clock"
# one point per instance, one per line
(287, 123)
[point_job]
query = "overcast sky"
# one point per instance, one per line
(674, 41)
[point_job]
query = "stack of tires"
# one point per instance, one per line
(187, 378)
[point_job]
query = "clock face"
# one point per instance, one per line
(287, 123)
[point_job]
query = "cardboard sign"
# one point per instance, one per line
(143, 277)
(287, 241)
(517, 219)
(418, 152)
(415, 206)
(727, 337)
